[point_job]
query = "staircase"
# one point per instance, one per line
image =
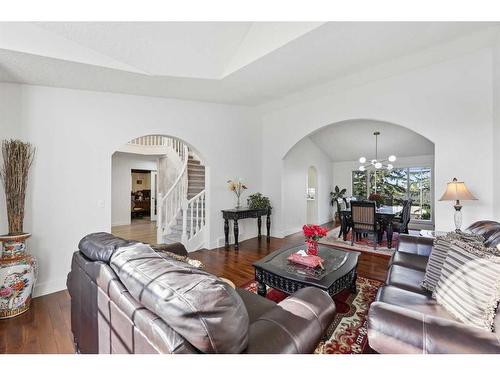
(196, 185)
(182, 211)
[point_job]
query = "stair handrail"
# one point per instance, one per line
(172, 202)
(195, 224)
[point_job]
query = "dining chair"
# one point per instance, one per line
(364, 221)
(401, 223)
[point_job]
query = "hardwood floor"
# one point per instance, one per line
(46, 327)
(142, 229)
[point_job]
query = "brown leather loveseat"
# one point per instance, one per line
(128, 298)
(405, 319)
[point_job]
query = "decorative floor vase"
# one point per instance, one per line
(18, 271)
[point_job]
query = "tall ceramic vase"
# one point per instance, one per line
(18, 271)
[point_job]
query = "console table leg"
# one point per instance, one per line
(261, 289)
(268, 225)
(226, 232)
(236, 233)
(259, 224)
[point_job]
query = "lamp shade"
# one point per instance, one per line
(457, 191)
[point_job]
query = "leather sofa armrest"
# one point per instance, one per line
(295, 325)
(397, 330)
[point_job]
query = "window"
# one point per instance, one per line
(398, 184)
(359, 184)
(420, 192)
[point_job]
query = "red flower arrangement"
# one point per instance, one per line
(377, 198)
(313, 233)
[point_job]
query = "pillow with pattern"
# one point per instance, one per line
(469, 285)
(192, 262)
(438, 256)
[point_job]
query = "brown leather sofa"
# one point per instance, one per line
(131, 299)
(405, 319)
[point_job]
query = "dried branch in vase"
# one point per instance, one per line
(17, 159)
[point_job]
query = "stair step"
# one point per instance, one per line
(196, 168)
(193, 162)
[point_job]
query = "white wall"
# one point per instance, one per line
(121, 183)
(449, 103)
(496, 129)
(76, 132)
(295, 170)
(10, 127)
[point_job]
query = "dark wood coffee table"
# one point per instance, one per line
(277, 272)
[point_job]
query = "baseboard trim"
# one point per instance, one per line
(48, 287)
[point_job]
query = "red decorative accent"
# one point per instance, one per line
(313, 233)
(377, 198)
(312, 247)
(348, 332)
(309, 261)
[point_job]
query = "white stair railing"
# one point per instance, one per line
(194, 218)
(171, 204)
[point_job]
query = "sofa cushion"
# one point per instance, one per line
(422, 303)
(438, 256)
(398, 330)
(417, 262)
(469, 286)
(206, 311)
(101, 245)
(406, 278)
(256, 305)
(415, 244)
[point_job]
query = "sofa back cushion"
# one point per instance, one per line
(101, 245)
(469, 286)
(438, 256)
(206, 311)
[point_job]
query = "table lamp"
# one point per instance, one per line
(457, 191)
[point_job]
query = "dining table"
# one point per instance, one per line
(384, 215)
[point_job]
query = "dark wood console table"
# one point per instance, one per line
(245, 213)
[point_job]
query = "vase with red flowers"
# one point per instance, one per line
(313, 233)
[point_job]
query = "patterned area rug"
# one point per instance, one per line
(348, 332)
(365, 245)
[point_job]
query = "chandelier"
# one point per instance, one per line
(375, 164)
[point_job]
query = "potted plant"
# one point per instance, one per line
(335, 198)
(258, 201)
(17, 268)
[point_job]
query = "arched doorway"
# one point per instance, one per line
(335, 151)
(159, 192)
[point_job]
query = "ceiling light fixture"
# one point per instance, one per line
(375, 163)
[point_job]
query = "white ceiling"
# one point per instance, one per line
(348, 141)
(249, 63)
